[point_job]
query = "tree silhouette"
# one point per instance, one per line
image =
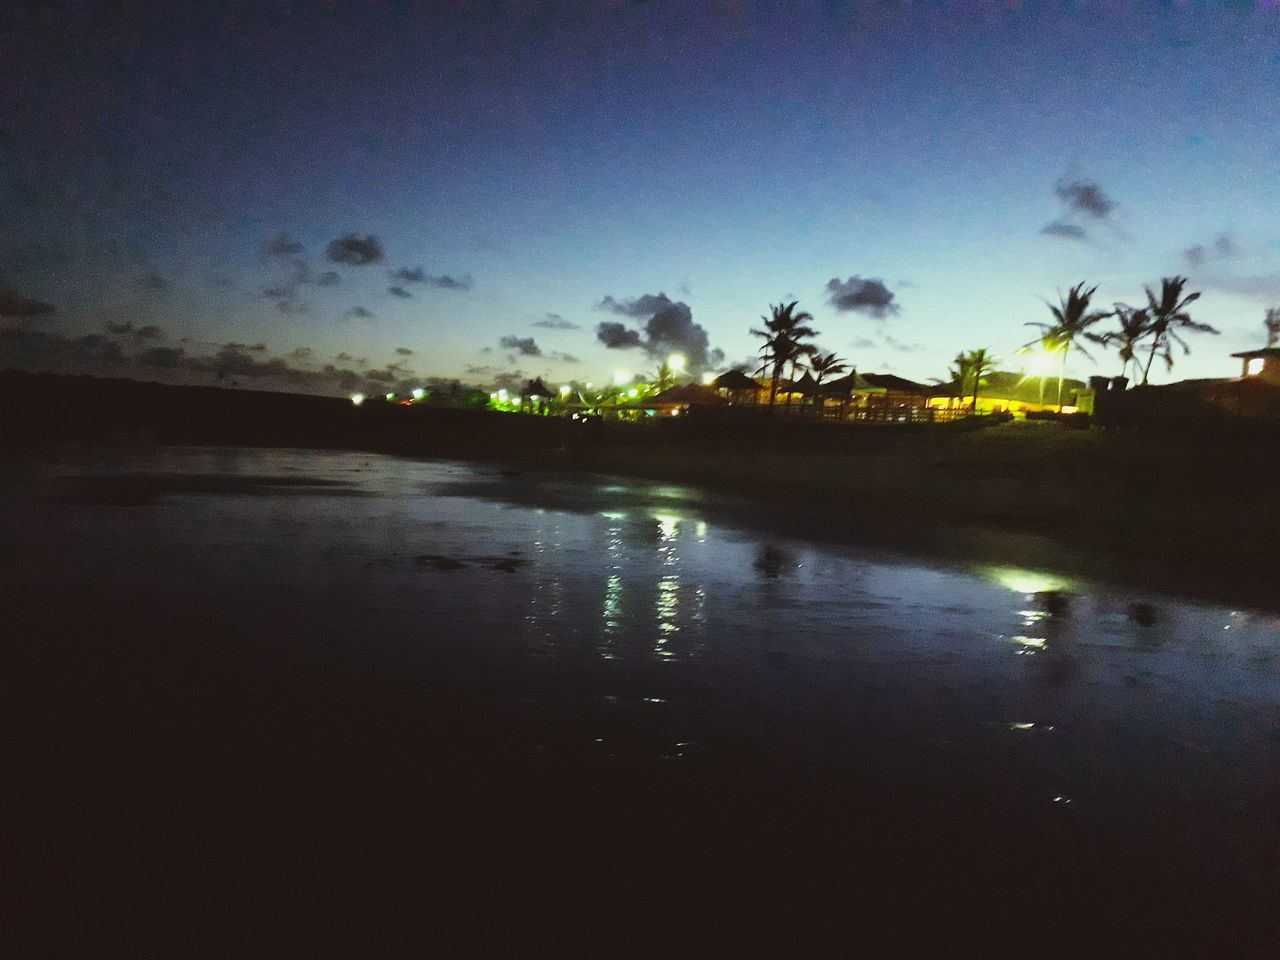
(784, 334)
(1272, 323)
(1169, 320)
(1135, 326)
(1071, 319)
(978, 364)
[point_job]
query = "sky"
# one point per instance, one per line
(331, 196)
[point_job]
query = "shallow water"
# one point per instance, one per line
(242, 630)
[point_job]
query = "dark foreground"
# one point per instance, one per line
(276, 701)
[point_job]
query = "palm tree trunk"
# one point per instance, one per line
(773, 387)
(1151, 356)
(1062, 371)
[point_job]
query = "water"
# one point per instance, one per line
(250, 650)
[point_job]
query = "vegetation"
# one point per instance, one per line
(1170, 320)
(1135, 326)
(1071, 320)
(978, 364)
(785, 334)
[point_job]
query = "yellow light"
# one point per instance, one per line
(677, 362)
(1026, 581)
(1070, 409)
(708, 379)
(675, 413)
(565, 390)
(357, 398)
(620, 377)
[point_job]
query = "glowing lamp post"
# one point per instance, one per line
(677, 362)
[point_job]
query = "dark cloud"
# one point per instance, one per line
(563, 357)
(358, 313)
(328, 278)
(525, 346)
(1067, 231)
(127, 329)
(166, 358)
(513, 380)
(380, 376)
(282, 245)
(894, 344)
(1084, 197)
(355, 250)
(1223, 247)
(399, 292)
(404, 351)
(668, 328)
(153, 281)
(862, 343)
(868, 296)
(553, 321)
(442, 281)
(617, 336)
(14, 304)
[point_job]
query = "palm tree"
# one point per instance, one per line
(823, 366)
(1272, 323)
(1169, 319)
(1071, 318)
(784, 334)
(1135, 326)
(665, 377)
(978, 363)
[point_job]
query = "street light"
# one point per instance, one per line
(565, 390)
(708, 379)
(357, 398)
(620, 377)
(677, 362)
(419, 393)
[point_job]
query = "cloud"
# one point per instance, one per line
(380, 376)
(668, 328)
(127, 329)
(358, 313)
(355, 250)
(862, 343)
(1067, 231)
(166, 358)
(153, 281)
(404, 351)
(442, 281)
(14, 304)
(868, 296)
(553, 321)
(525, 346)
(563, 357)
(330, 278)
(1084, 197)
(1223, 247)
(282, 245)
(617, 336)
(400, 292)
(894, 344)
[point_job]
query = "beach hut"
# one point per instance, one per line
(677, 400)
(739, 389)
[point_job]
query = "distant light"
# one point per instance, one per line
(575, 416)
(675, 413)
(1026, 581)
(708, 379)
(535, 397)
(1255, 366)
(677, 362)
(357, 398)
(633, 392)
(419, 393)
(620, 377)
(493, 396)
(1070, 409)
(565, 390)
(517, 400)
(391, 396)
(590, 385)
(502, 395)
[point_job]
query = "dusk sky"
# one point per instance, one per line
(471, 189)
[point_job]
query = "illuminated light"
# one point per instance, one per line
(675, 413)
(535, 398)
(620, 377)
(493, 396)
(1022, 726)
(575, 416)
(1025, 581)
(502, 395)
(565, 390)
(357, 398)
(1033, 643)
(708, 379)
(1070, 409)
(419, 393)
(590, 385)
(633, 393)
(1255, 366)
(391, 396)
(677, 362)
(517, 400)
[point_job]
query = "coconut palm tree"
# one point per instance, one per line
(823, 366)
(1071, 319)
(1169, 320)
(1135, 326)
(664, 377)
(784, 334)
(1272, 324)
(979, 363)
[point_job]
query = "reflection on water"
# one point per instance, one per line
(646, 618)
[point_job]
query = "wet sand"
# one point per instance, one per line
(340, 697)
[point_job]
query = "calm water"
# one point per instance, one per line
(250, 650)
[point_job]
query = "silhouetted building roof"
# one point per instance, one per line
(734, 380)
(887, 381)
(1264, 352)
